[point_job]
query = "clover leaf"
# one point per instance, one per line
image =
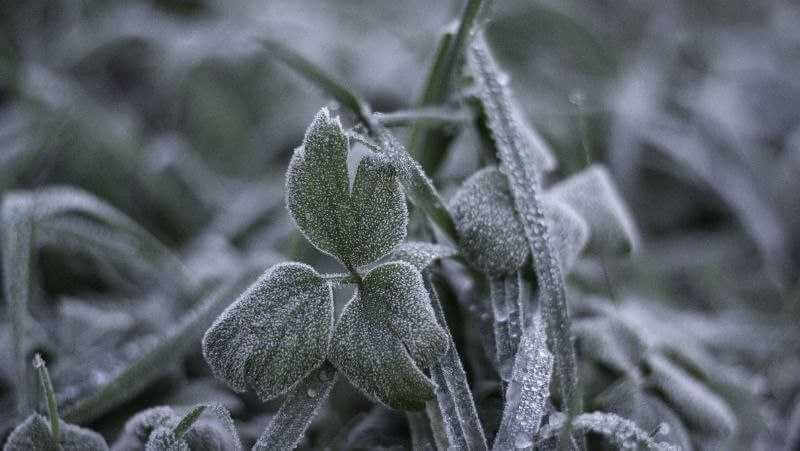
(386, 333)
(359, 226)
(276, 333)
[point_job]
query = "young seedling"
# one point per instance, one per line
(281, 330)
(52, 434)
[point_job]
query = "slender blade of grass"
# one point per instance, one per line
(298, 409)
(427, 144)
(17, 244)
(525, 182)
(455, 399)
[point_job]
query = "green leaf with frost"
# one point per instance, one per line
(358, 226)
(386, 334)
(34, 435)
(421, 254)
(569, 232)
(491, 237)
(593, 195)
(275, 334)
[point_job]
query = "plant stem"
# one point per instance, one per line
(187, 421)
(460, 417)
(50, 396)
(287, 427)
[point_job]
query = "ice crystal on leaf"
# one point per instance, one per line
(386, 333)
(276, 333)
(356, 227)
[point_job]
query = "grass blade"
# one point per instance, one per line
(17, 244)
(527, 392)
(428, 145)
(321, 78)
(47, 388)
(453, 393)
(298, 409)
(525, 182)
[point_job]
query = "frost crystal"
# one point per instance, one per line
(356, 227)
(386, 333)
(276, 333)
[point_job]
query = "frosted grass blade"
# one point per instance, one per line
(524, 178)
(527, 393)
(298, 409)
(17, 244)
(453, 394)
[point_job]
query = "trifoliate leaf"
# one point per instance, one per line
(277, 332)
(356, 227)
(34, 435)
(593, 195)
(421, 254)
(386, 333)
(491, 237)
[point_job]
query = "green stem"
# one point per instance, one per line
(187, 421)
(47, 389)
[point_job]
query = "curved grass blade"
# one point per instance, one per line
(460, 417)
(298, 409)
(525, 182)
(17, 244)
(319, 77)
(162, 357)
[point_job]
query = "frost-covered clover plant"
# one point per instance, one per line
(282, 328)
